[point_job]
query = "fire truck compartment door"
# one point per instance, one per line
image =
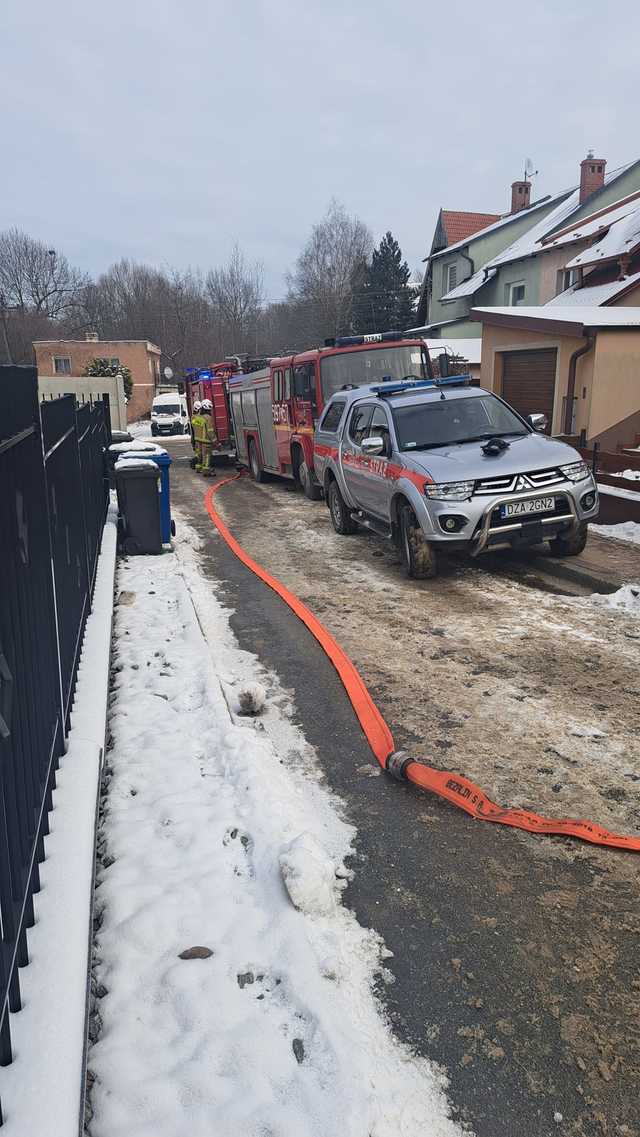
(268, 443)
(238, 425)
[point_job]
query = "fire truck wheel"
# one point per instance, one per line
(257, 473)
(311, 488)
(418, 555)
(340, 516)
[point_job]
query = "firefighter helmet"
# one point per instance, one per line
(207, 405)
(197, 406)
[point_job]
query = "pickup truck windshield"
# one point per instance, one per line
(355, 368)
(445, 422)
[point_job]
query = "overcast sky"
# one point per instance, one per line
(165, 131)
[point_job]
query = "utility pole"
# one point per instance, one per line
(5, 336)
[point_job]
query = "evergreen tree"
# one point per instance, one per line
(383, 300)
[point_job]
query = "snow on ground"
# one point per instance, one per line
(626, 599)
(631, 475)
(624, 531)
(140, 429)
(209, 815)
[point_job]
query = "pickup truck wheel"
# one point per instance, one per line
(257, 473)
(343, 522)
(570, 544)
(418, 554)
(309, 485)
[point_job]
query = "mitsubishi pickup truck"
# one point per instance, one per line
(439, 465)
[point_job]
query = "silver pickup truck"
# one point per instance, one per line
(440, 465)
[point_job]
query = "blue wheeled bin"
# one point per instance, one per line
(163, 460)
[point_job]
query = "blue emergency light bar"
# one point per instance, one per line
(400, 386)
(204, 373)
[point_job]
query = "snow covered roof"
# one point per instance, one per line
(596, 223)
(575, 317)
(471, 285)
(469, 349)
(623, 238)
(531, 242)
(594, 295)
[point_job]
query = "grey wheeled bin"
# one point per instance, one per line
(138, 488)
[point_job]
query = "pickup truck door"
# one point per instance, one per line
(377, 486)
(353, 462)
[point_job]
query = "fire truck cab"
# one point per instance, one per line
(275, 410)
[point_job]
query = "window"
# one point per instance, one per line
(515, 293)
(304, 380)
(332, 416)
(249, 408)
(357, 366)
(379, 428)
(61, 365)
(287, 383)
(567, 277)
(277, 386)
(360, 420)
(450, 277)
(236, 403)
(425, 426)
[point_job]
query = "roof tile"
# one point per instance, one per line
(458, 224)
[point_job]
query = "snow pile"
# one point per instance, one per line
(624, 531)
(252, 699)
(631, 475)
(309, 876)
(626, 599)
(133, 462)
(136, 448)
(278, 1031)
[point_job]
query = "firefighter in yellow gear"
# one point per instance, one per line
(197, 434)
(210, 438)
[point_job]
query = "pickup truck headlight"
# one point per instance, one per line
(576, 471)
(449, 491)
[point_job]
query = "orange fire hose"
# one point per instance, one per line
(454, 788)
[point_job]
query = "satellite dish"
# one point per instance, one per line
(168, 373)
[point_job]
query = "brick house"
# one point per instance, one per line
(57, 358)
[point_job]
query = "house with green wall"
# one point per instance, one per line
(512, 261)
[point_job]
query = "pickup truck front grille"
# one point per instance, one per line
(519, 483)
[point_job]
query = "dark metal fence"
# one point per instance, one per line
(53, 502)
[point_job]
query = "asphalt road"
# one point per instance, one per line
(516, 958)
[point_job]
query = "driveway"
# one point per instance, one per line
(515, 957)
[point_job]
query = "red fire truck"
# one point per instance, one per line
(275, 410)
(213, 383)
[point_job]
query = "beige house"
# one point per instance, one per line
(57, 358)
(578, 365)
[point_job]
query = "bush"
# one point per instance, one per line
(101, 366)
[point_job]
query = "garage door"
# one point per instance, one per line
(529, 381)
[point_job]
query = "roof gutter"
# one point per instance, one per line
(571, 384)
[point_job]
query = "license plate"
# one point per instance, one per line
(533, 505)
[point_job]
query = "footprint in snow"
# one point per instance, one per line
(240, 843)
(298, 1027)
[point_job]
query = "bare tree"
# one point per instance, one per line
(36, 278)
(235, 293)
(327, 267)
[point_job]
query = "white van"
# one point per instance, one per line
(169, 414)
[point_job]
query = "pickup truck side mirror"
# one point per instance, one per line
(373, 445)
(538, 422)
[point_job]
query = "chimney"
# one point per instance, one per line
(520, 196)
(591, 175)
(91, 337)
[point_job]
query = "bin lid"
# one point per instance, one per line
(136, 447)
(134, 462)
